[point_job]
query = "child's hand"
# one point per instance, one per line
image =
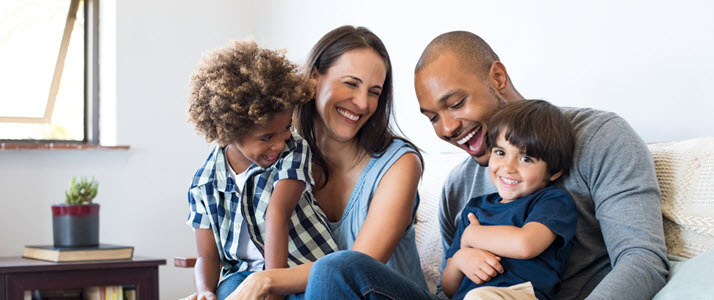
(474, 221)
(467, 231)
(477, 264)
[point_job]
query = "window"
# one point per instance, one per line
(48, 83)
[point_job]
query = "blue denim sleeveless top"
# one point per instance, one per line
(405, 259)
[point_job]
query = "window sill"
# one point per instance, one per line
(57, 146)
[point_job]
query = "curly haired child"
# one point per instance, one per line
(251, 202)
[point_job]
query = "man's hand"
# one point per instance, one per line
(477, 264)
(467, 231)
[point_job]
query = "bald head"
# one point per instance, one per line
(471, 50)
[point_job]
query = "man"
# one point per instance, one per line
(618, 250)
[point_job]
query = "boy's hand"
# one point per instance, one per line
(477, 264)
(474, 224)
(473, 219)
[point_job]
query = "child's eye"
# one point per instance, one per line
(498, 152)
(266, 138)
(526, 159)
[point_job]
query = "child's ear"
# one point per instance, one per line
(556, 176)
(313, 72)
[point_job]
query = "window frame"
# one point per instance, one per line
(91, 86)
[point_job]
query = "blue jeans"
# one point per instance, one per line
(226, 287)
(354, 275)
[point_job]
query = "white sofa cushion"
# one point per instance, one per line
(428, 236)
(685, 171)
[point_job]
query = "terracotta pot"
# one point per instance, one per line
(75, 225)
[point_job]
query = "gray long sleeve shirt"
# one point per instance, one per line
(619, 250)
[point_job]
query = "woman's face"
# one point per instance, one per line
(348, 93)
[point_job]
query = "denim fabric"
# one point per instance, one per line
(353, 275)
(405, 258)
(230, 284)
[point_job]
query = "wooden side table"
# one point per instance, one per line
(19, 274)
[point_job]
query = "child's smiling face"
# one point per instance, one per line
(262, 145)
(514, 173)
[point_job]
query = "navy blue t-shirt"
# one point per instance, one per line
(552, 207)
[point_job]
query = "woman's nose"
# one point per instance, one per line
(361, 100)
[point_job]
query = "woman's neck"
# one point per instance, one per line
(342, 155)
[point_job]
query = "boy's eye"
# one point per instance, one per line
(266, 138)
(498, 152)
(526, 159)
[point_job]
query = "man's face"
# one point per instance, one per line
(458, 103)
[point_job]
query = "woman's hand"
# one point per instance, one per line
(255, 286)
(201, 296)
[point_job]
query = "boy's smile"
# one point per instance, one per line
(262, 145)
(514, 173)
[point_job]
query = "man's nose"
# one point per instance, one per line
(450, 127)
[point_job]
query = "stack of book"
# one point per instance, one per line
(117, 292)
(64, 254)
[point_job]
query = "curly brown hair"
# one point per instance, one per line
(242, 85)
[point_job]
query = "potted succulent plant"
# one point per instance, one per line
(75, 223)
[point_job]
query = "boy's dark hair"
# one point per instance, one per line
(539, 129)
(239, 86)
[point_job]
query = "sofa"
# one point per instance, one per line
(685, 171)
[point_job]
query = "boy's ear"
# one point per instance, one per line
(313, 72)
(556, 176)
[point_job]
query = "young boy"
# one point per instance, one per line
(250, 203)
(521, 235)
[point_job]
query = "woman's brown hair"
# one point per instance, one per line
(376, 135)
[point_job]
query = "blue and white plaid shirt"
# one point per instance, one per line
(215, 201)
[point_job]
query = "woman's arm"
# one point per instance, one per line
(390, 214)
(285, 281)
(207, 269)
(391, 210)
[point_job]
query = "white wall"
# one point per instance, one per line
(648, 61)
(142, 191)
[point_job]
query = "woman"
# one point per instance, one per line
(366, 176)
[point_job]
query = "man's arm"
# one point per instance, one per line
(508, 241)
(625, 192)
